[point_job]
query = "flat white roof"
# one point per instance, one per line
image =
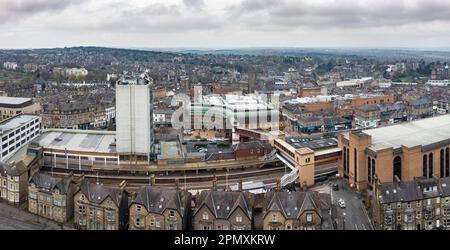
(78, 140)
(410, 134)
(15, 122)
(13, 100)
(238, 102)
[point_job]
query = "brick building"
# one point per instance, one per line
(403, 151)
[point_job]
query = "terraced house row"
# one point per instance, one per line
(420, 204)
(93, 206)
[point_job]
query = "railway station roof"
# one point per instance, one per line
(78, 140)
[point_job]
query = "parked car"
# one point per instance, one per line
(341, 203)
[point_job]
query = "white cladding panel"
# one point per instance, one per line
(133, 118)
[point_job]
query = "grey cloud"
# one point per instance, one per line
(153, 18)
(338, 13)
(195, 4)
(20, 9)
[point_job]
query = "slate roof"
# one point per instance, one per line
(157, 200)
(293, 204)
(369, 107)
(222, 204)
(418, 189)
(421, 101)
(50, 183)
(16, 169)
(97, 193)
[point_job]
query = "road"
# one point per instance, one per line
(355, 216)
(12, 218)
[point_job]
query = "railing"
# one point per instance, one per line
(289, 178)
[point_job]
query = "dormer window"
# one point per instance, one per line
(238, 218)
(205, 216)
(56, 191)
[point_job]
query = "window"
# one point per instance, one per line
(408, 218)
(397, 167)
(419, 203)
(430, 165)
(309, 217)
(442, 165)
(388, 219)
(238, 218)
(356, 164)
(274, 218)
(345, 159)
(171, 213)
(369, 168)
(446, 223)
(408, 205)
(389, 206)
(399, 205)
(308, 160)
(82, 209)
(157, 222)
(205, 216)
(138, 208)
(32, 195)
(447, 163)
(424, 166)
(152, 222)
(399, 217)
(138, 222)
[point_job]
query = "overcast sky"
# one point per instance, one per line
(225, 23)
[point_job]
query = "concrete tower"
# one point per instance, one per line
(134, 117)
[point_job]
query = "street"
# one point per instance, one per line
(354, 214)
(12, 218)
